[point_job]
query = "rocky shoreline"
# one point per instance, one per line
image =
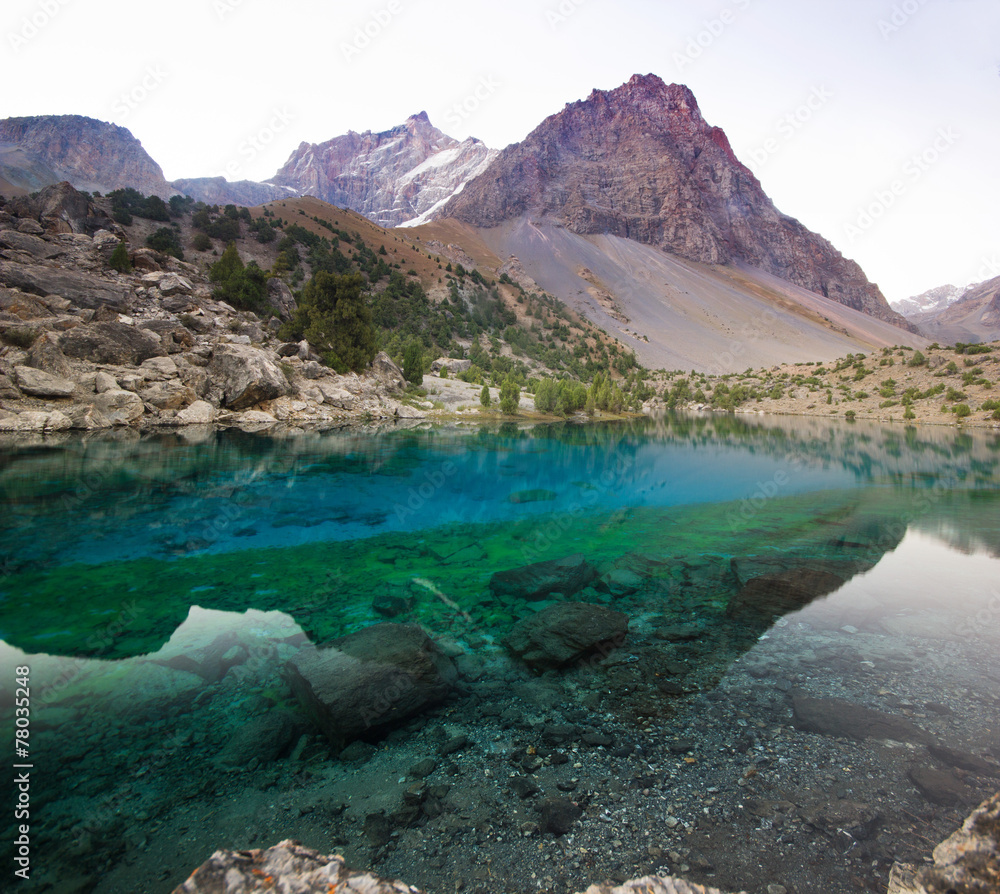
(968, 862)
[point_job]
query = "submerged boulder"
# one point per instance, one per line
(566, 576)
(566, 632)
(363, 684)
(770, 596)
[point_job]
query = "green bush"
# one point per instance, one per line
(201, 242)
(245, 288)
(510, 397)
(119, 258)
(413, 363)
(850, 415)
(962, 410)
(484, 396)
(167, 241)
(334, 316)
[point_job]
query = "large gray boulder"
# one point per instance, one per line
(388, 374)
(46, 354)
(565, 576)
(116, 344)
(280, 297)
(118, 407)
(83, 289)
(566, 632)
(245, 376)
(363, 684)
(38, 383)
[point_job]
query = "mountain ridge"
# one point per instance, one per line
(640, 162)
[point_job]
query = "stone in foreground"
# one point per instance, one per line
(566, 632)
(966, 863)
(289, 867)
(363, 684)
(567, 576)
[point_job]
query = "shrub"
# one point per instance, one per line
(119, 258)
(962, 410)
(413, 363)
(918, 359)
(510, 397)
(166, 240)
(334, 316)
(21, 337)
(849, 415)
(484, 396)
(245, 288)
(201, 242)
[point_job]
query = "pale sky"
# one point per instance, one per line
(875, 122)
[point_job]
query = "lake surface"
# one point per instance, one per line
(772, 571)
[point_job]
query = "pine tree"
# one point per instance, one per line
(119, 258)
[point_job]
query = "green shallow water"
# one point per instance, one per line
(156, 588)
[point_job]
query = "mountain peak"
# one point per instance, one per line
(640, 162)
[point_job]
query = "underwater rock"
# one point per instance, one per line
(968, 862)
(940, 786)
(392, 600)
(364, 683)
(772, 595)
(563, 633)
(266, 738)
(963, 761)
(836, 717)
(620, 582)
(536, 581)
(557, 815)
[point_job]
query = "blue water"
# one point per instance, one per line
(158, 587)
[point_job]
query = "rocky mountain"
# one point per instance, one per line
(84, 347)
(931, 301)
(220, 191)
(396, 177)
(393, 177)
(974, 317)
(640, 162)
(92, 155)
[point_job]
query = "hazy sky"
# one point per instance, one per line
(875, 122)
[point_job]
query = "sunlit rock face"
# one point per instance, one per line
(642, 163)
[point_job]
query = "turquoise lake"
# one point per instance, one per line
(157, 587)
